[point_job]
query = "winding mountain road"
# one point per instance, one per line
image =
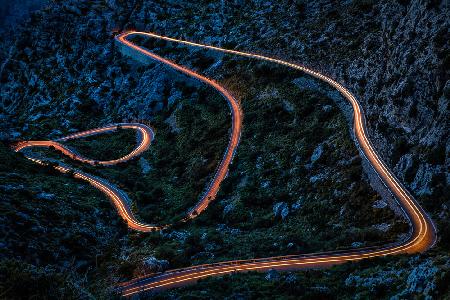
(117, 197)
(422, 234)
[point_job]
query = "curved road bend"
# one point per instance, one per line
(117, 197)
(422, 234)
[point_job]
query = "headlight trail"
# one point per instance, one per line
(422, 234)
(117, 197)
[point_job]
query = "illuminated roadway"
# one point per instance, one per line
(117, 197)
(422, 234)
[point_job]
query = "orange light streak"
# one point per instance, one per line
(423, 234)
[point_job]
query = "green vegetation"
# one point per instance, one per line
(105, 146)
(58, 233)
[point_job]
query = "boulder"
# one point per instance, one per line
(317, 153)
(281, 209)
(379, 204)
(153, 265)
(45, 196)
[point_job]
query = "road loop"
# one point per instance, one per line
(117, 197)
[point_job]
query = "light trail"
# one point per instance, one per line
(146, 132)
(422, 236)
(116, 196)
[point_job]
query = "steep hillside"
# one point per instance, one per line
(297, 183)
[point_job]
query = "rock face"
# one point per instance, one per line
(380, 279)
(149, 95)
(421, 279)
